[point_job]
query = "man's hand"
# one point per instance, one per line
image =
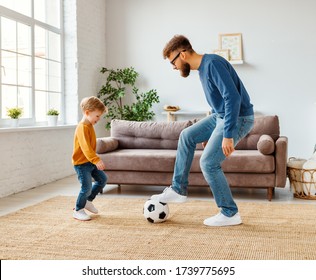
(204, 144)
(100, 165)
(228, 146)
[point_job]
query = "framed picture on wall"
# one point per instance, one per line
(233, 43)
(223, 53)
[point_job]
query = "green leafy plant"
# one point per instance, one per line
(119, 83)
(15, 112)
(52, 112)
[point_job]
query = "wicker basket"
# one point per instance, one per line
(303, 182)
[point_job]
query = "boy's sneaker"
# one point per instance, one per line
(81, 215)
(169, 195)
(90, 207)
(220, 220)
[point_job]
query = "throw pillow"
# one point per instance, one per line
(106, 144)
(266, 144)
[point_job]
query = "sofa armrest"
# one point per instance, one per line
(106, 144)
(281, 146)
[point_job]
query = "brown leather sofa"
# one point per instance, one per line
(143, 153)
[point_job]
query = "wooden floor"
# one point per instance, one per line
(70, 187)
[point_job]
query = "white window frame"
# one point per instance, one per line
(30, 21)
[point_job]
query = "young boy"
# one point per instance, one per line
(86, 163)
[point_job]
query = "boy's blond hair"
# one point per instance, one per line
(91, 104)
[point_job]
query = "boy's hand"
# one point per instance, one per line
(100, 165)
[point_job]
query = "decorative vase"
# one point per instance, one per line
(52, 120)
(14, 122)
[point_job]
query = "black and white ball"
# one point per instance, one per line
(155, 211)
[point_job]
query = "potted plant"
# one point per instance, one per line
(52, 117)
(14, 113)
(120, 83)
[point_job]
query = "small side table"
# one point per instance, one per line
(171, 116)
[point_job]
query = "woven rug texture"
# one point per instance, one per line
(47, 231)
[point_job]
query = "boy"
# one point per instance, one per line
(86, 163)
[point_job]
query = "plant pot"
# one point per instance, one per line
(14, 122)
(52, 120)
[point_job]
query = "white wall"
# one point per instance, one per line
(84, 54)
(91, 50)
(279, 52)
(33, 157)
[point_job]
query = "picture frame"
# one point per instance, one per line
(223, 53)
(232, 42)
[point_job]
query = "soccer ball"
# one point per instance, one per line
(155, 211)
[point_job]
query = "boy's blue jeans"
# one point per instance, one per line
(89, 191)
(208, 129)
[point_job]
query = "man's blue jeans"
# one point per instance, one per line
(208, 129)
(89, 191)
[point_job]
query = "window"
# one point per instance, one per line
(31, 58)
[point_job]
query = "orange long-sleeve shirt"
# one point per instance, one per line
(84, 145)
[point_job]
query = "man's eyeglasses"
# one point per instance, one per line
(175, 58)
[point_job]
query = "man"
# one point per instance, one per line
(232, 118)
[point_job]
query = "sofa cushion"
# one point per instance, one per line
(266, 144)
(246, 161)
(106, 144)
(263, 125)
(140, 160)
(147, 135)
(163, 160)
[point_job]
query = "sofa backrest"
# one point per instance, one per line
(165, 135)
(263, 125)
(147, 135)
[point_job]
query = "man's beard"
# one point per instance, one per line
(185, 70)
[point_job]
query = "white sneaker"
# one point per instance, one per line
(81, 215)
(90, 207)
(220, 220)
(169, 195)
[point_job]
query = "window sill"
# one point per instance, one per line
(36, 128)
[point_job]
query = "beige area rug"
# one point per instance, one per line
(48, 231)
